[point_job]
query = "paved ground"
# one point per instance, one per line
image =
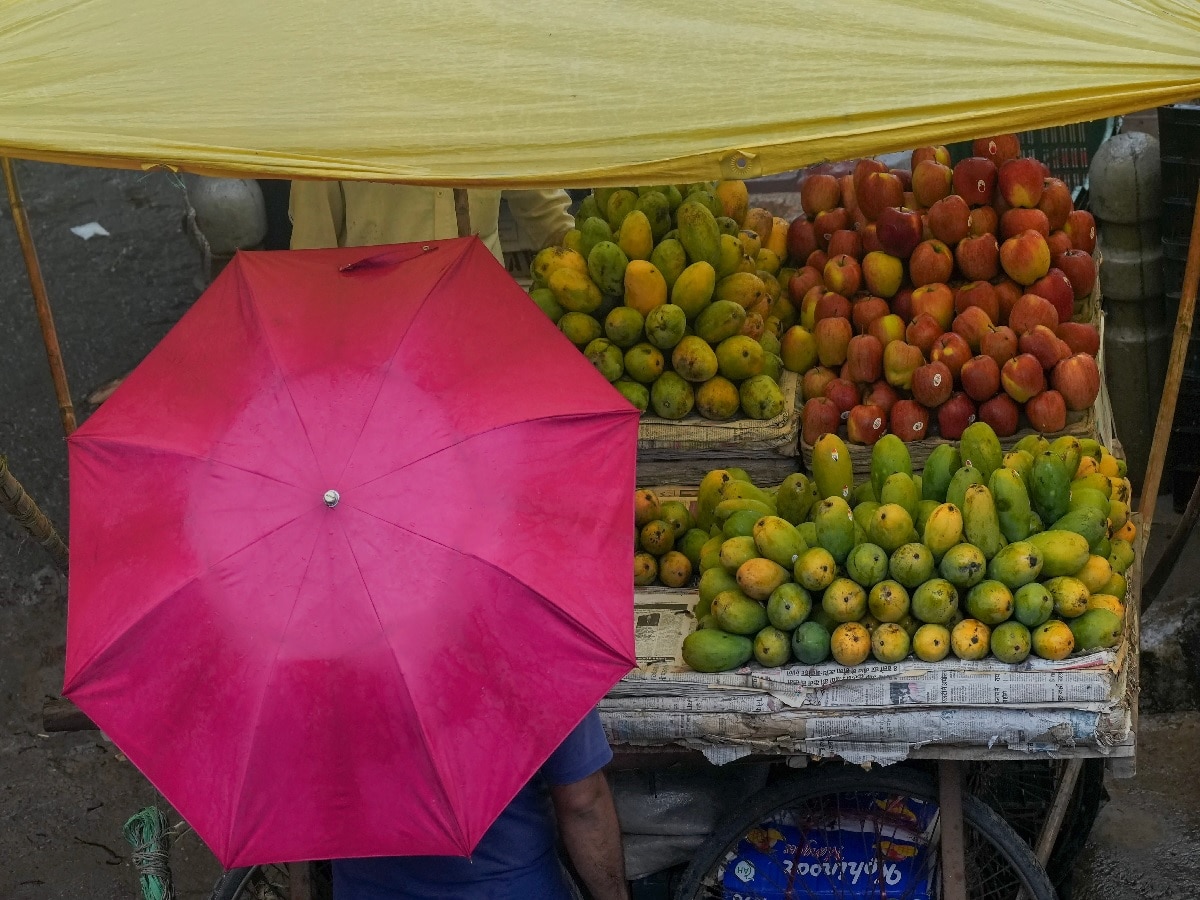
(66, 796)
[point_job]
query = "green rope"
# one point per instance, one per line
(149, 835)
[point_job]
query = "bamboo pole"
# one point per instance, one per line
(1179, 347)
(22, 508)
(462, 212)
(41, 300)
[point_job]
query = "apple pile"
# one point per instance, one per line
(932, 298)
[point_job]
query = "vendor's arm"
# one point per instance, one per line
(543, 214)
(587, 822)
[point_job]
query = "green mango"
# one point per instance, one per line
(900, 488)
(867, 564)
(1087, 521)
(911, 565)
(1012, 503)
(1070, 451)
(980, 448)
(981, 522)
(711, 650)
(778, 540)
(788, 606)
(1096, 629)
(835, 527)
(594, 230)
(966, 476)
(1063, 552)
(772, 647)
(1032, 604)
(1020, 461)
(943, 462)
(738, 614)
(810, 643)
(794, 498)
(1016, 565)
(963, 565)
(1049, 486)
(888, 456)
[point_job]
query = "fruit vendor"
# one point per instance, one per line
(568, 798)
(357, 214)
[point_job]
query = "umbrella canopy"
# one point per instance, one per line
(535, 94)
(350, 552)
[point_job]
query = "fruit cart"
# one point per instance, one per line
(225, 132)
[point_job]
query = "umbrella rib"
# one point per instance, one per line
(454, 265)
(400, 673)
(556, 417)
(554, 607)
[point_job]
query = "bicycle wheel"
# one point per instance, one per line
(270, 883)
(846, 833)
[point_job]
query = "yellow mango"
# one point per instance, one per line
(645, 287)
(734, 197)
(635, 236)
(776, 242)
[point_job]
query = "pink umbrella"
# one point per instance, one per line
(350, 552)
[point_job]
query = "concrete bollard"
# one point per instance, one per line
(223, 215)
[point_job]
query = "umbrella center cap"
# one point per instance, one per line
(332, 498)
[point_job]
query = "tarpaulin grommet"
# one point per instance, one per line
(739, 164)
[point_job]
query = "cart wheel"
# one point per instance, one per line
(270, 883)
(796, 838)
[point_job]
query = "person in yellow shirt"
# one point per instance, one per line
(357, 214)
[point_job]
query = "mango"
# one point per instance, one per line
(709, 494)
(890, 527)
(624, 326)
(1096, 629)
(772, 647)
(888, 601)
(794, 498)
(665, 326)
(644, 362)
(835, 527)
(1012, 503)
(544, 298)
(924, 511)
(670, 260)
(745, 289)
(675, 569)
(970, 639)
(657, 537)
(931, 642)
(890, 643)
(899, 488)
(738, 614)
(739, 357)
(675, 513)
(740, 523)
(816, 569)
(808, 531)
(844, 600)
(963, 565)
(889, 455)
(1011, 642)
(620, 204)
(940, 467)
(731, 256)
(710, 650)
(1015, 565)
(645, 569)
(1033, 444)
(607, 358)
(698, 232)
(734, 198)
(779, 541)
(737, 550)
(943, 530)
(964, 477)
(592, 231)
(1088, 497)
(1032, 604)
(1116, 585)
(1063, 552)
(693, 289)
(1095, 573)
(911, 565)
(867, 564)
(719, 321)
(980, 448)
(1053, 640)
(810, 643)
(832, 468)
(580, 328)
(1049, 487)
(1120, 556)
(655, 206)
(761, 398)
(635, 393)
(551, 259)
(717, 398)
(671, 396)
(935, 601)
(850, 643)
(788, 606)
(606, 267)
(758, 507)
(588, 207)
(1101, 484)
(1107, 601)
(705, 196)
(1069, 449)
(714, 581)
(636, 237)
(1087, 521)
(1021, 462)
(1070, 596)
(990, 601)
(742, 488)
(981, 524)
(758, 578)
(645, 287)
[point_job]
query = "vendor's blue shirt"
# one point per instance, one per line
(515, 860)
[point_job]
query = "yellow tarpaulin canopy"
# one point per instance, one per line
(547, 93)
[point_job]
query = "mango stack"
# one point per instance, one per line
(983, 553)
(674, 293)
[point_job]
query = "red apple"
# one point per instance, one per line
(900, 360)
(1022, 377)
(887, 329)
(819, 416)
(1081, 229)
(1059, 243)
(955, 415)
(909, 420)
(846, 242)
(864, 358)
(1032, 310)
(998, 149)
(980, 377)
(1057, 288)
(1000, 344)
(1015, 221)
(1047, 412)
(866, 424)
(983, 220)
(808, 305)
(866, 310)
(937, 153)
(1026, 257)
(815, 379)
(844, 395)
(804, 280)
(863, 169)
(1080, 269)
(881, 394)
(833, 339)
(1056, 202)
(870, 238)
(905, 176)
(922, 331)
(975, 180)
(948, 219)
(882, 272)
(826, 223)
(801, 240)
(1044, 345)
(878, 191)
(953, 350)
(898, 230)
(1020, 182)
(831, 305)
(902, 302)
(931, 182)
(980, 294)
(1008, 292)
(1081, 337)
(819, 193)
(931, 261)
(972, 324)
(978, 257)
(843, 275)
(1002, 413)
(1078, 380)
(932, 384)
(817, 260)
(937, 300)
(848, 199)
